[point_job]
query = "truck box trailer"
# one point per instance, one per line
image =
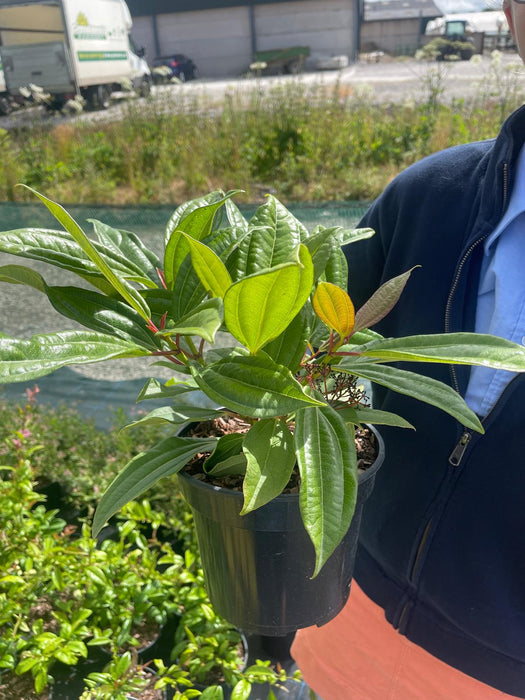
(70, 48)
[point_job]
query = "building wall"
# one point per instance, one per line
(220, 40)
(391, 36)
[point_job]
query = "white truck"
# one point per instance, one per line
(69, 48)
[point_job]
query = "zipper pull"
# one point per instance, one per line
(460, 449)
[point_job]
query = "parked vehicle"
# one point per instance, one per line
(70, 48)
(182, 67)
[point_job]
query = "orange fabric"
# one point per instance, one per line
(360, 656)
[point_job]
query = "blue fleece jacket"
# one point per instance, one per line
(442, 545)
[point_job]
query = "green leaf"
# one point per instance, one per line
(177, 415)
(103, 314)
(129, 245)
(253, 386)
(241, 690)
(260, 307)
(119, 284)
(273, 236)
(153, 389)
(204, 321)
(381, 302)
(22, 360)
(288, 349)
(227, 457)
(361, 415)
(321, 245)
(336, 269)
(212, 692)
(18, 274)
(347, 236)
(210, 269)
(167, 457)
(195, 219)
(418, 387)
(327, 460)
(270, 454)
(450, 348)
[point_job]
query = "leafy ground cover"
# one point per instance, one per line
(74, 610)
(297, 141)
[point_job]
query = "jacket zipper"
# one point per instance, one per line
(460, 448)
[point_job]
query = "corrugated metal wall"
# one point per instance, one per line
(220, 40)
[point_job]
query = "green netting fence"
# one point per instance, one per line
(153, 219)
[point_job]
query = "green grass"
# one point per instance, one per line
(301, 143)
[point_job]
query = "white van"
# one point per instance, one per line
(70, 47)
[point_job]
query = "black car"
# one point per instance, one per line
(182, 67)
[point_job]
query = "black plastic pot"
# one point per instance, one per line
(258, 567)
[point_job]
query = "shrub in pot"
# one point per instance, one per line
(287, 369)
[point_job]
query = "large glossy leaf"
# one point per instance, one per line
(252, 386)
(450, 348)
(129, 245)
(260, 307)
(118, 282)
(327, 460)
(381, 302)
(289, 348)
(419, 387)
(167, 457)
(347, 236)
(274, 235)
(270, 453)
(103, 314)
(204, 321)
(210, 269)
(195, 219)
(23, 360)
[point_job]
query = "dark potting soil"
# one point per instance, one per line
(365, 442)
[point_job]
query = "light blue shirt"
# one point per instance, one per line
(501, 294)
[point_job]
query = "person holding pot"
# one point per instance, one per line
(437, 608)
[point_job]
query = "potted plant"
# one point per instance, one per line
(256, 317)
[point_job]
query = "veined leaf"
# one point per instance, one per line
(260, 307)
(270, 453)
(167, 457)
(327, 460)
(321, 245)
(450, 348)
(253, 386)
(195, 219)
(119, 284)
(176, 415)
(204, 321)
(334, 307)
(209, 267)
(22, 360)
(336, 269)
(129, 245)
(381, 302)
(420, 387)
(273, 236)
(347, 236)
(103, 314)
(288, 349)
